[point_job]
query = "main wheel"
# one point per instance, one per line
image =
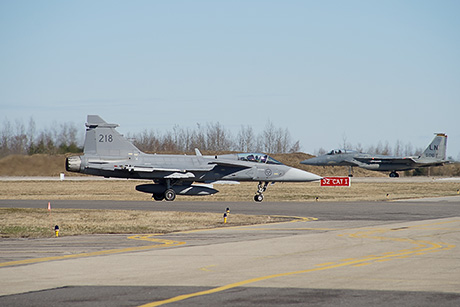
(158, 197)
(170, 195)
(258, 198)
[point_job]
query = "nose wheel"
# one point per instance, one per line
(261, 188)
(258, 197)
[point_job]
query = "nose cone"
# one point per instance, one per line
(298, 175)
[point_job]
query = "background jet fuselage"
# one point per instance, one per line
(434, 155)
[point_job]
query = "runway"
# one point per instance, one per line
(352, 254)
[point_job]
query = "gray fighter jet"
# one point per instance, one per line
(107, 153)
(434, 155)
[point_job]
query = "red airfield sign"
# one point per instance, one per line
(336, 182)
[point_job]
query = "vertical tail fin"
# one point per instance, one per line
(437, 148)
(102, 139)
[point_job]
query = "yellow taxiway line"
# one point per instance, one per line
(149, 237)
(422, 247)
(145, 237)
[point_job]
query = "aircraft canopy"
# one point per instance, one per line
(341, 151)
(257, 157)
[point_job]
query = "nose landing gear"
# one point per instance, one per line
(261, 188)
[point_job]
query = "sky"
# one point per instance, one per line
(363, 72)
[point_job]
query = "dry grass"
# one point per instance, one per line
(35, 223)
(125, 190)
(35, 165)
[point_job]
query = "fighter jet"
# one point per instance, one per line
(434, 155)
(107, 153)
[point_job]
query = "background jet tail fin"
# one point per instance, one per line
(102, 139)
(437, 147)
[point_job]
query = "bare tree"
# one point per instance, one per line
(283, 140)
(6, 133)
(146, 141)
(386, 149)
(295, 148)
(246, 139)
(398, 148)
(269, 137)
(198, 138)
(345, 143)
(408, 150)
(218, 138)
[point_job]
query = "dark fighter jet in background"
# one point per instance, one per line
(107, 153)
(434, 155)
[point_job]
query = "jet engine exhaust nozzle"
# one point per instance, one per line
(73, 164)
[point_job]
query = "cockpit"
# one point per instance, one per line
(258, 158)
(340, 151)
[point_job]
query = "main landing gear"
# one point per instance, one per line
(261, 188)
(393, 174)
(168, 195)
(158, 197)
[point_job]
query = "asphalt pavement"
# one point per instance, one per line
(348, 254)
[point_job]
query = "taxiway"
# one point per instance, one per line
(356, 254)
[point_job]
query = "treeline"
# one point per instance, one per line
(16, 138)
(215, 137)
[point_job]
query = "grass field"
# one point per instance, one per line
(38, 223)
(383, 189)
